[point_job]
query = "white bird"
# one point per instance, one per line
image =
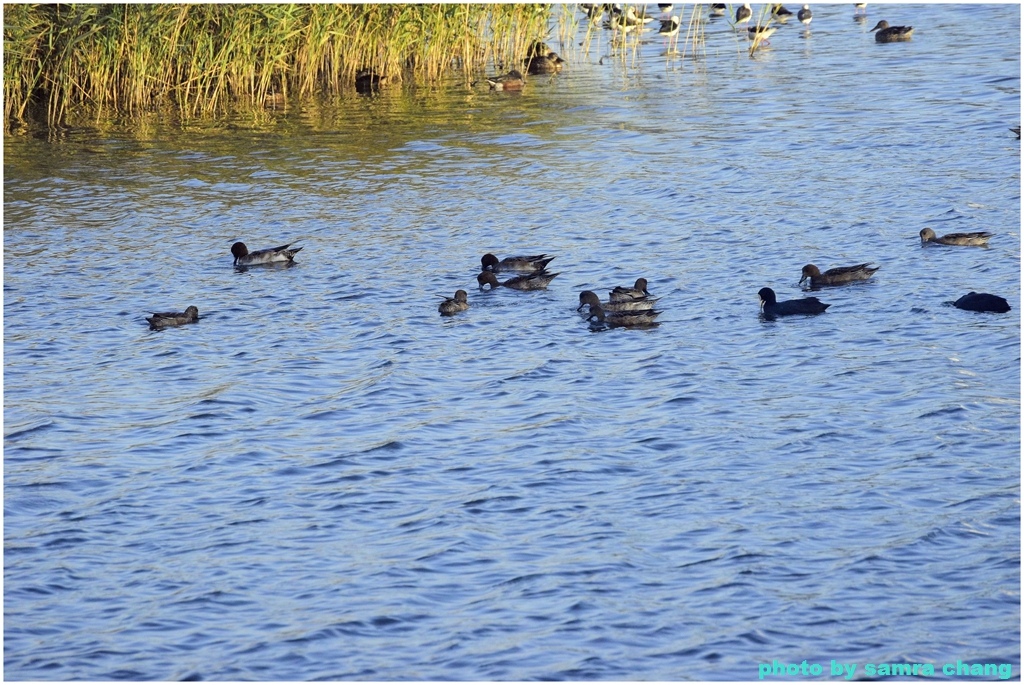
(760, 33)
(636, 19)
(744, 13)
(618, 22)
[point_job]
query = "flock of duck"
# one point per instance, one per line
(626, 306)
(633, 307)
(283, 254)
(972, 301)
(629, 306)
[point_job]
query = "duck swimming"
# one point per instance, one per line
(454, 305)
(977, 239)
(892, 34)
(270, 255)
(638, 319)
(542, 60)
(550, 63)
(368, 80)
(637, 292)
(513, 80)
(537, 262)
(165, 319)
(838, 275)
(773, 308)
(982, 302)
(534, 281)
(589, 297)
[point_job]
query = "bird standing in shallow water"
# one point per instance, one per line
(669, 27)
(743, 14)
(780, 13)
(760, 34)
(637, 19)
(978, 239)
(892, 34)
(594, 13)
(805, 16)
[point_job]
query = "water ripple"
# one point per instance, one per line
(324, 479)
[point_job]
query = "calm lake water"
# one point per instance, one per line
(324, 479)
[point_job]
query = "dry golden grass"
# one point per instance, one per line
(101, 60)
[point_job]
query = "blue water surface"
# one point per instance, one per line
(325, 479)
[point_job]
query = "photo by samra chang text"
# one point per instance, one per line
(850, 671)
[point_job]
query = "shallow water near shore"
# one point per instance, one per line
(325, 479)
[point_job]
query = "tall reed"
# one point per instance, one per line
(62, 60)
(695, 31)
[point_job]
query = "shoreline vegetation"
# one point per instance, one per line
(64, 62)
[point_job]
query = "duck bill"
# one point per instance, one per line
(802, 279)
